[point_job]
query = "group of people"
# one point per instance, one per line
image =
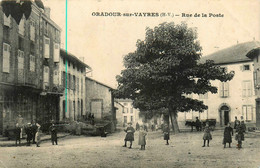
(33, 132)
(239, 127)
(142, 135)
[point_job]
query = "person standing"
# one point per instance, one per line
(142, 138)
(28, 131)
(236, 123)
(53, 132)
(129, 135)
(166, 134)
(17, 134)
(240, 135)
(137, 127)
(228, 133)
(207, 135)
(34, 130)
(19, 120)
(37, 135)
(198, 124)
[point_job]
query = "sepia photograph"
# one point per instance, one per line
(129, 83)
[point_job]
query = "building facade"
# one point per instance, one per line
(72, 78)
(99, 101)
(129, 113)
(235, 97)
(254, 54)
(27, 64)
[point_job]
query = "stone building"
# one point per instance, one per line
(254, 54)
(72, 78)
(27, 67)
(100, 101)
(235, 97)
(129, 113)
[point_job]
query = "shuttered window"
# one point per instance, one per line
(56, 77)
(7, 20)
(22, 26)
(56, 52)
(247, 112)
(46, 76)
(32, 30)
(246, 88)
(6, 57)
(46, 47)
(224, 89)
(32, 63)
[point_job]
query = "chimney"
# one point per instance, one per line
(47, 12)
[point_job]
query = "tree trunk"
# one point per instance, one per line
(173, 115)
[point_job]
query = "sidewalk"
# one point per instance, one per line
(44, 137)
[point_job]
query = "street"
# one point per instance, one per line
(185, 150)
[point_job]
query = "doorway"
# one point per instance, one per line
(224, 114)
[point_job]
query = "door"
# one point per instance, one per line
(226, 117)
(257, 113)
(1, 119)
(96, 109)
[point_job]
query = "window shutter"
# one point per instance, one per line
(46, 76)
(243, 88)
(249, 88)
(46, 48)
(221, 89)
(32, 63)
(7, 20)
(56, 77)
(32, 30)
(56, 52)
(6, 57)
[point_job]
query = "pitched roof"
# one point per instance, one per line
(233, 54)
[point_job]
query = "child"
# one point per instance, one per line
(53, 132)
(228, 133)
(142, 138)
(129, 135)
(17, 134)
(207, 136)
(166, 134)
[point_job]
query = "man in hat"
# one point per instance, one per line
(129, 135)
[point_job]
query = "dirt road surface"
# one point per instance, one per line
(185, 151)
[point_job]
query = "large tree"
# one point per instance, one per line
(18, 8)
(164, 68)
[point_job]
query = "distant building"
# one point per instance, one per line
(72, 78)
(130, 114)
(235, 97)
(100, 102)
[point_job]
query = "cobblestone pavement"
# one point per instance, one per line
(185, 150)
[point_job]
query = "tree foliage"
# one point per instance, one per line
(18, 8)
(165, 67)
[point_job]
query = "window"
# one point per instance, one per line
(20, 59)
(63, 79)
(55, 77)
(32, 30)
(6, 57)
(132, 118)
(255, 78)
(74, 83)
(246, 89)
(224, 89)
(131, 110)
(20, 74)
(21, 26)
(203, 96)
(56, 52)
(125, 119)
(6, 34)
(245, 67)
(126, 110)
(32, 48)
(7, 20)
(68, 81)
(46, 47)
(46, 76)
(247, 112)
(32, 63)
(46, 27)
(64, 109)
(21, 43)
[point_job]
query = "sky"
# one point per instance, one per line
(103, 41)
